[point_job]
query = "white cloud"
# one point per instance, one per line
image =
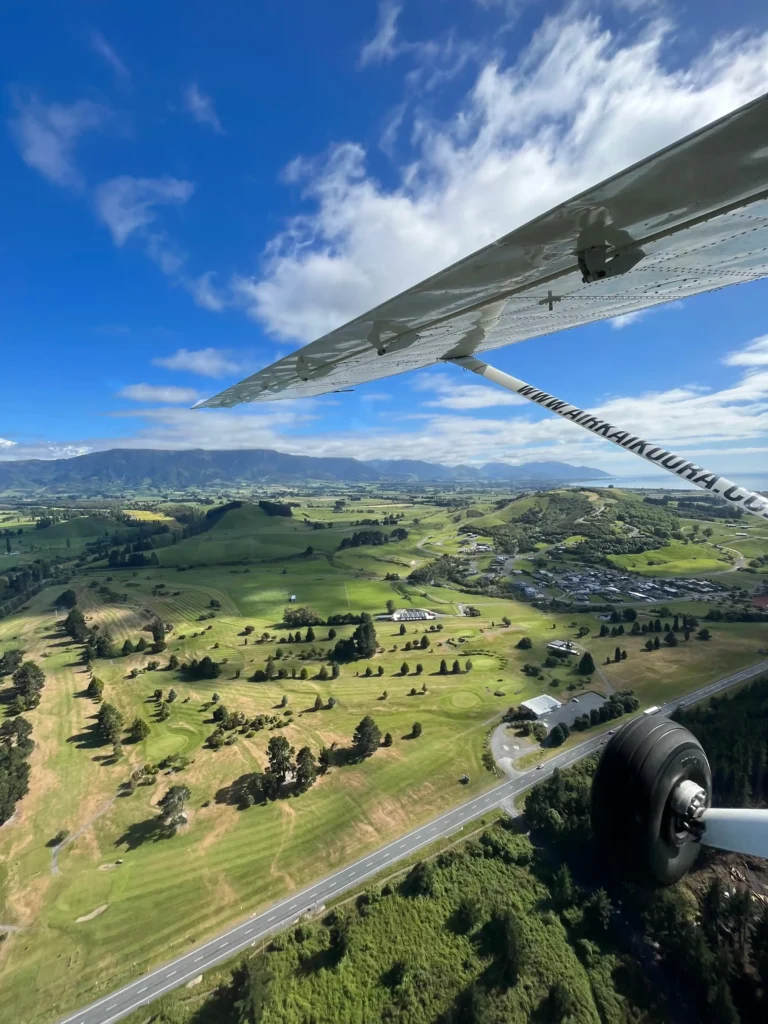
(205, 293)
(627, 319)
(201, 107)
(207, 362)
(579, 104)
(107, 53)
(47, 134)
(167, 394)
(6, 444)
(382, 47)
(755, 354)
(127, 204)
(452, 395)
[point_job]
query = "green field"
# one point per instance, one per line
(226, 863)
(675, 559)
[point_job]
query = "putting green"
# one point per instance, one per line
(463, 699)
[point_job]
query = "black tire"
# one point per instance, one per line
(631, 818)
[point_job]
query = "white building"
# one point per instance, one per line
(561, 647)
(412, 615)
(542, 705)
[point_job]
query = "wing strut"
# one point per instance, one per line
(738, 497)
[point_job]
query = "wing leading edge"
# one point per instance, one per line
(690, 219)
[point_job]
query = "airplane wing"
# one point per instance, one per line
(690, 219)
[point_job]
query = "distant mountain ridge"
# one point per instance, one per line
(180, 470)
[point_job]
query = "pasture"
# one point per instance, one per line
(169, 893)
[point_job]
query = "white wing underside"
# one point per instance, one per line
(690, 219)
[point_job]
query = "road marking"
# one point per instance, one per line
(170, 974)
(271, 918)
(248, 931)
(197, 960)
(143, 989)
(223, 945)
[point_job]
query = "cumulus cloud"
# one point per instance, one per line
(6, 444)
(578, 104)
(755, 354)
(166, 394)
(107, 53)
(201, 107)
(206, 362)
(47, 135)
(126, 204)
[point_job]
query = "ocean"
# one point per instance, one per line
(667, 482)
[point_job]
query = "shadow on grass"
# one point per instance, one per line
(236, 794)
(152, 830)
(88, 739)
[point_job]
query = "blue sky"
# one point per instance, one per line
(193, 190)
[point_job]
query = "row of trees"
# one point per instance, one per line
(15, 747)
(28, 680)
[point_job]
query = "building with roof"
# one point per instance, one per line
(408, 615)
(562, 647)
(541, 705)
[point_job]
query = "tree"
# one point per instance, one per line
(324, 760)
(163, 712)
(318, 703)
(510, 943)
(402, 629)
(419, 668)
(456, 667)
(649, 645)
(66, 599)
(365, 637)
(127, 648)
(424, 643)
(670, 639)
(280, 754)
(388, 739)
(366, 738)
(617, 654)
(304, 674)
(173, 663)
(109, 723)
(506, 620)
(293, 617)
(390, 606)
(416, 730)
(443, 667)
(310, 635)
(404, 669)
(141, 645)
(587, 664)
(158, 631)
(468, 665)
(656, 643)
(172, 807)
(380, 670)
(214, 699)
(95, 688)
(623, 655)
(306, 769)
(172, 695)
(331, 634)
(284, 701)
(29, 680)
(524, 643)
(704, 634)
(10, 661)
(139, 730)
(74, 624)
(335, 670)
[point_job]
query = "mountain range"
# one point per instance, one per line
(129, 468)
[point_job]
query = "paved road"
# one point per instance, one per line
(148, 987)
